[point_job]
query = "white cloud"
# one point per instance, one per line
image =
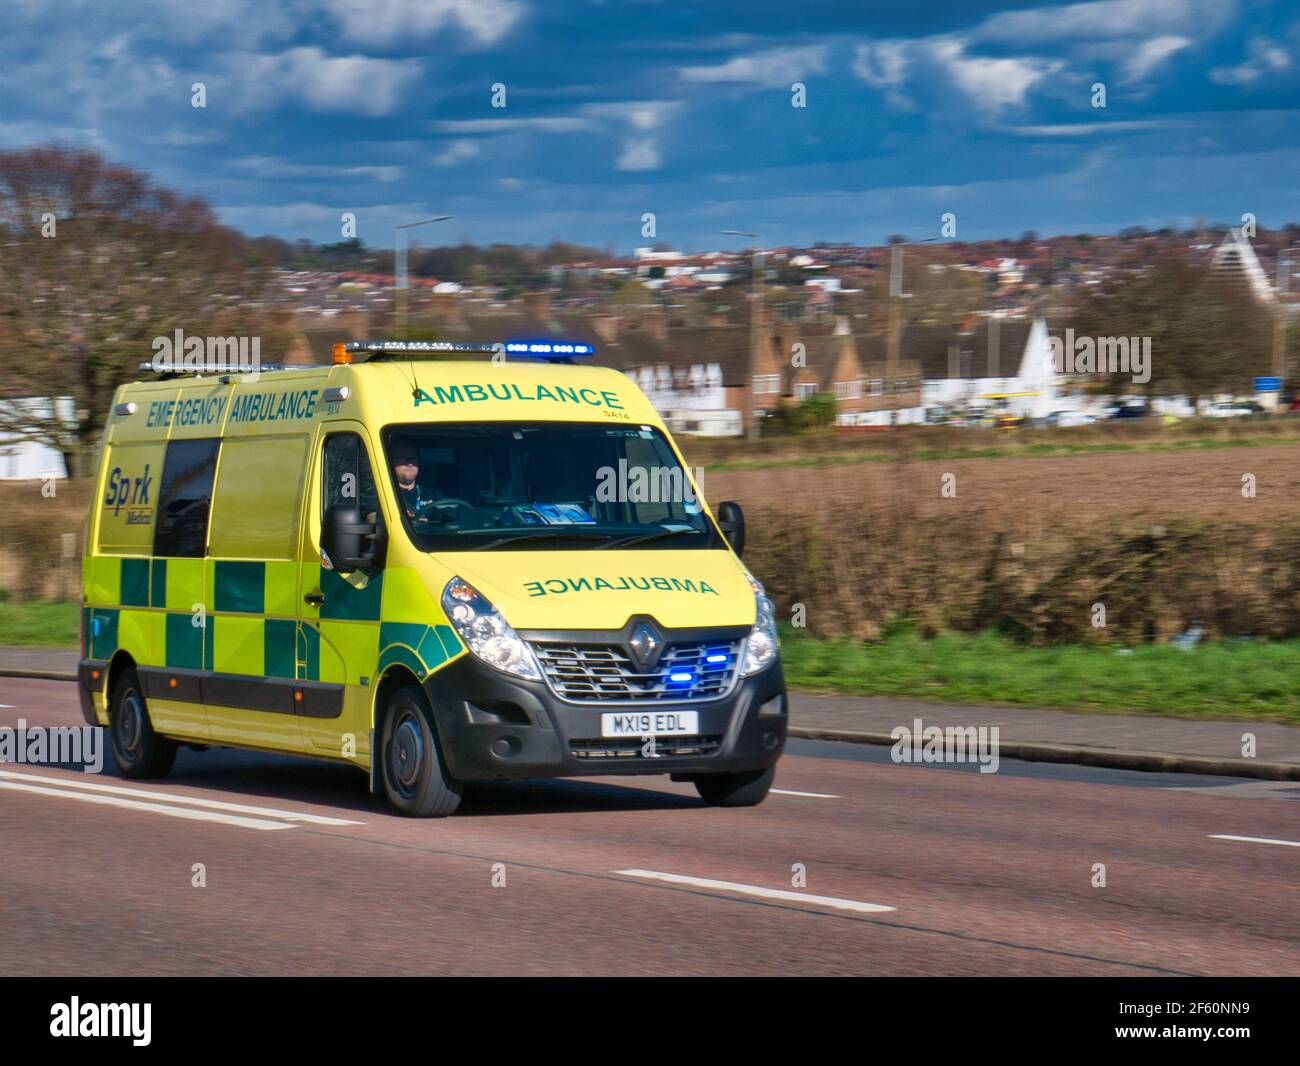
(349, 84)
(271, 168)
(543, 124)
(1089, 129)
(639, 114)
(455, 152)
(1151, 54)
(643, 119)
(636, 123)
(639, 154)
(388, 22)
(991, 85)
(774, 67)
(1105, 19)
(1262, 56)
(881, 64)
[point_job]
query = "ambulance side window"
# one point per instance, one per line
(346, 475)
(185, 499)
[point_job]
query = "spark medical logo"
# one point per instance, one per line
(956, 744)
(1103, 355)
(103, 1019)
(60, 745)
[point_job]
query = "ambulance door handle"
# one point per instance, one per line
(314, 598)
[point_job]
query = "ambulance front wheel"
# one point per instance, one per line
(139, 751)
(735, 790)
(415, 776)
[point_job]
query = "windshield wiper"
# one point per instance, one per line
(641, 538)
(541, 534)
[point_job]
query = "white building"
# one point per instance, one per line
(1236, 256)
(26, 460)
(1004, 365)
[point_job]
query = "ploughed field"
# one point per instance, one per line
(1072, 488)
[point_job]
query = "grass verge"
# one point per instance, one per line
(1236, 679)
(50, 625)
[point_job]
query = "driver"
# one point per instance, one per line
(406, 468)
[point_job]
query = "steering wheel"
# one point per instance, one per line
(445, 501)
(440, 508)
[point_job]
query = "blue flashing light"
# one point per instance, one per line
(716, 658)
(683, 677)
(563, 349)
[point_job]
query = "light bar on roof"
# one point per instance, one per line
(550, 351)
(565, 348)
(378, 347)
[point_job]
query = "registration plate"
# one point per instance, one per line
(650, 724)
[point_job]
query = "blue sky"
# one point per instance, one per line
(383, 108)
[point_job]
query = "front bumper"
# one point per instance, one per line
(493, 726)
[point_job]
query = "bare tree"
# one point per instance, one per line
(1208, 334)
(95, 262)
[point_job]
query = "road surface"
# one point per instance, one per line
(906, 870)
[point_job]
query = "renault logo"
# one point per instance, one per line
(646, 644)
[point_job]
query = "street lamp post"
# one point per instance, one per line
(896, 293)
(1280, 319)
(400, 246)
(753, 317)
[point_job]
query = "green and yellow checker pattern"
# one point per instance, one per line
(234, 617)
(242, 617)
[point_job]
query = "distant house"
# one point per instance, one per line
(855, 371)
(993, 363)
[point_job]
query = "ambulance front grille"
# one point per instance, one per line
(634, 747)
(605, 673)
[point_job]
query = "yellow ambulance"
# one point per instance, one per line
(438, 562)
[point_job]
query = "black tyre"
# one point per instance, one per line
(747, 789)
(140, 752)
(416, 780)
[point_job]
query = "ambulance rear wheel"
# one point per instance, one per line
(416, 780)
(735, 790)
(139, 751)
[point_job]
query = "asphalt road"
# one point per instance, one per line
(982, 873)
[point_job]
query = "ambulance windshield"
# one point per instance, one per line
(543, 486)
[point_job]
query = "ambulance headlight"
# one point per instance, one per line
(487, 635)
(760, 645)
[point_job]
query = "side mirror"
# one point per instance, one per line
(731, 520)
(349, 541)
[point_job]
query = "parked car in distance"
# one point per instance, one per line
(1069, 418)
(1234, 409)
(1131, 410)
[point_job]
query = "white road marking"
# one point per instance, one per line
(756, 890)
(172, 797)
(1256, 840)
(155, 808)
(810, 795)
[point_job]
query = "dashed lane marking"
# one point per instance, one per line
(810, 795)
(155, 808)
(1256, 840)
(141, 794)
(757, 890)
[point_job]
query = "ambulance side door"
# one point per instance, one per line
(338, 633)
